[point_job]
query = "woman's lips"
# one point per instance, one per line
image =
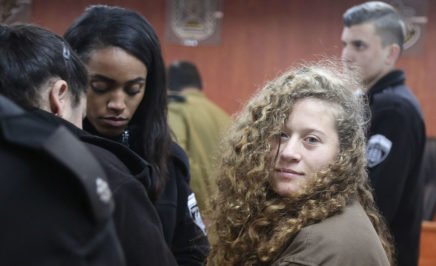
(115, 121)
(289, 173)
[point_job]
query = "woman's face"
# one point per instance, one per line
(308, 143)
(116, 88)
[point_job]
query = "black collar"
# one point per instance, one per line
(393, 78)
(55, 120)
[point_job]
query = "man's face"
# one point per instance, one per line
(363, 52)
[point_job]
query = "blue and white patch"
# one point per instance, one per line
(195, 212)
(378, 149)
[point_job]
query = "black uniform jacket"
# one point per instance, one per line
(138, 225)
(180, 214)
(180, 221)
(396, 141)
(53, 211)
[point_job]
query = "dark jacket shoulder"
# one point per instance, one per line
(55, 191)
(135, 217)
(7, 107)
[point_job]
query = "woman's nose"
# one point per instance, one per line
(117, 102)
(290, 150)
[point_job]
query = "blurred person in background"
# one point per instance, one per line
(198, 125)
(373, 37)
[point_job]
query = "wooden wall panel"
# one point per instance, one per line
(260, 39)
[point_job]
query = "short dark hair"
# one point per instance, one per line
(30, 57)
(387, 21)
(102, 26)
(182, 74)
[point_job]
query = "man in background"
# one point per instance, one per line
(197, 123)
(373, 37)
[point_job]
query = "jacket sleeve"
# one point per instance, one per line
(178, 125)
(136, 221)
(189, 245)
(390, 156)
(139, 227)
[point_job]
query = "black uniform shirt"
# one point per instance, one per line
(396, 140)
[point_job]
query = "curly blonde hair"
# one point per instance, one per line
(250, 223)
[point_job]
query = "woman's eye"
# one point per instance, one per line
(283, 135)
(99, 86)
(311, 140)
(135, 89)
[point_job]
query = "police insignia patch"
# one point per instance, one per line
(103, 190)
(378, 149)
(195, 212)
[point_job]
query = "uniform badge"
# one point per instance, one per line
(103, 191)
(378, 149)
(195, 212)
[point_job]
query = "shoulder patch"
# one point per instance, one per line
(195, 212)
(378, 149)
(103, 190)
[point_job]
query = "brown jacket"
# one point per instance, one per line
(344, 239)
(198, 125)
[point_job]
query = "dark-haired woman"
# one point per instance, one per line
(127, 103)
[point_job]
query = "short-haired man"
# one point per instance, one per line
(372, 38)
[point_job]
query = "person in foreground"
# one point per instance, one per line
(51, 212)
(41, 74)
(293, 187)
(127, 102)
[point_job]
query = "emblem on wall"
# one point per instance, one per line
(193, 22)
(414, 14)
(15, 11)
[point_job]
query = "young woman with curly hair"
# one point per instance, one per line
(293, 186)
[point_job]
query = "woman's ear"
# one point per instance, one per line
(58, 97)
